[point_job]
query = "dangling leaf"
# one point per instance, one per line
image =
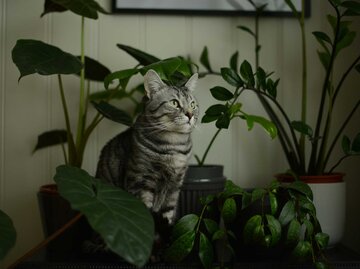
(216, 110)
(86, 8)
(204, 59)
(51, 138)
(301, 187)
(50, 6)
(223, 122)
(142, 57)
(94, 70)
(33, 56)
(293, 232)
(8, 234)
(122, 220)
(302, 250)
(112, 113)
(206, 252)
(275, 229)
(251, 226)
(287, 213)
(355, 147)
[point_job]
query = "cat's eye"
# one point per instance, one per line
(175, 103)
(193, 105)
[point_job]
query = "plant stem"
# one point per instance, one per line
(313, 158)
(208, 147)
(341, 129)
(45, 242)
(304, 81)
(82, 99)
(70, 138)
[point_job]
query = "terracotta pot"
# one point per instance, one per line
(330, 201)
(55, 212)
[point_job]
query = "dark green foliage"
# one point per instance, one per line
(8, 234)
(112, 113)
(33, 56)
(288, 223)
(51, 138)
(106, 207)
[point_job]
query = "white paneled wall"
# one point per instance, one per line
(32, 106)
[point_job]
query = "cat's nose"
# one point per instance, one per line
(189, 115)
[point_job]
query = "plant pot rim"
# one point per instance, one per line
(49, 189)
(314, 179)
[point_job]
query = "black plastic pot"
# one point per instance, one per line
(56, 212)
(199, 182)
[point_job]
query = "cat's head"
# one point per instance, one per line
(172, 108)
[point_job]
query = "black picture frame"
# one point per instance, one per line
(154, 7)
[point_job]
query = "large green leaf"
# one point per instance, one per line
(274, 228)
(86, 8)
(51, 138)
(121, 219)
(251, 228)
(33, 56)
(123, 76)
(301, 187)
(113, 113)
(231, 77)
(293, 232)
(94, 70)
(142, 57)
(7, 234)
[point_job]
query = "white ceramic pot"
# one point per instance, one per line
(330, 203)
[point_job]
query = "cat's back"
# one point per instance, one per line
(114, 158)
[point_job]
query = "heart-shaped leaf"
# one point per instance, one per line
(8, 234)
(33, 56)
(51, 138)
(287, 213)
(50, 6)
(121, 219)
(94, 70)
(228, 211)
(86, 8)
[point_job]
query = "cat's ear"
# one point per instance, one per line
(191, 83)
(152, 82)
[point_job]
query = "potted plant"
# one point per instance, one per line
(324, 137)
(274, 224)
(34, 56)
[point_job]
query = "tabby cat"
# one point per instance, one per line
(150, 158)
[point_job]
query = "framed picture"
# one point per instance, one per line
(207, 7)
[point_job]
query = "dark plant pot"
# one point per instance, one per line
(56, 212)
(199, 182)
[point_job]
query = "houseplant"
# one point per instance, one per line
(34, 56)
(264, 224)
(325, 135)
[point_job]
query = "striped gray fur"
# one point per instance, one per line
(150, 158)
